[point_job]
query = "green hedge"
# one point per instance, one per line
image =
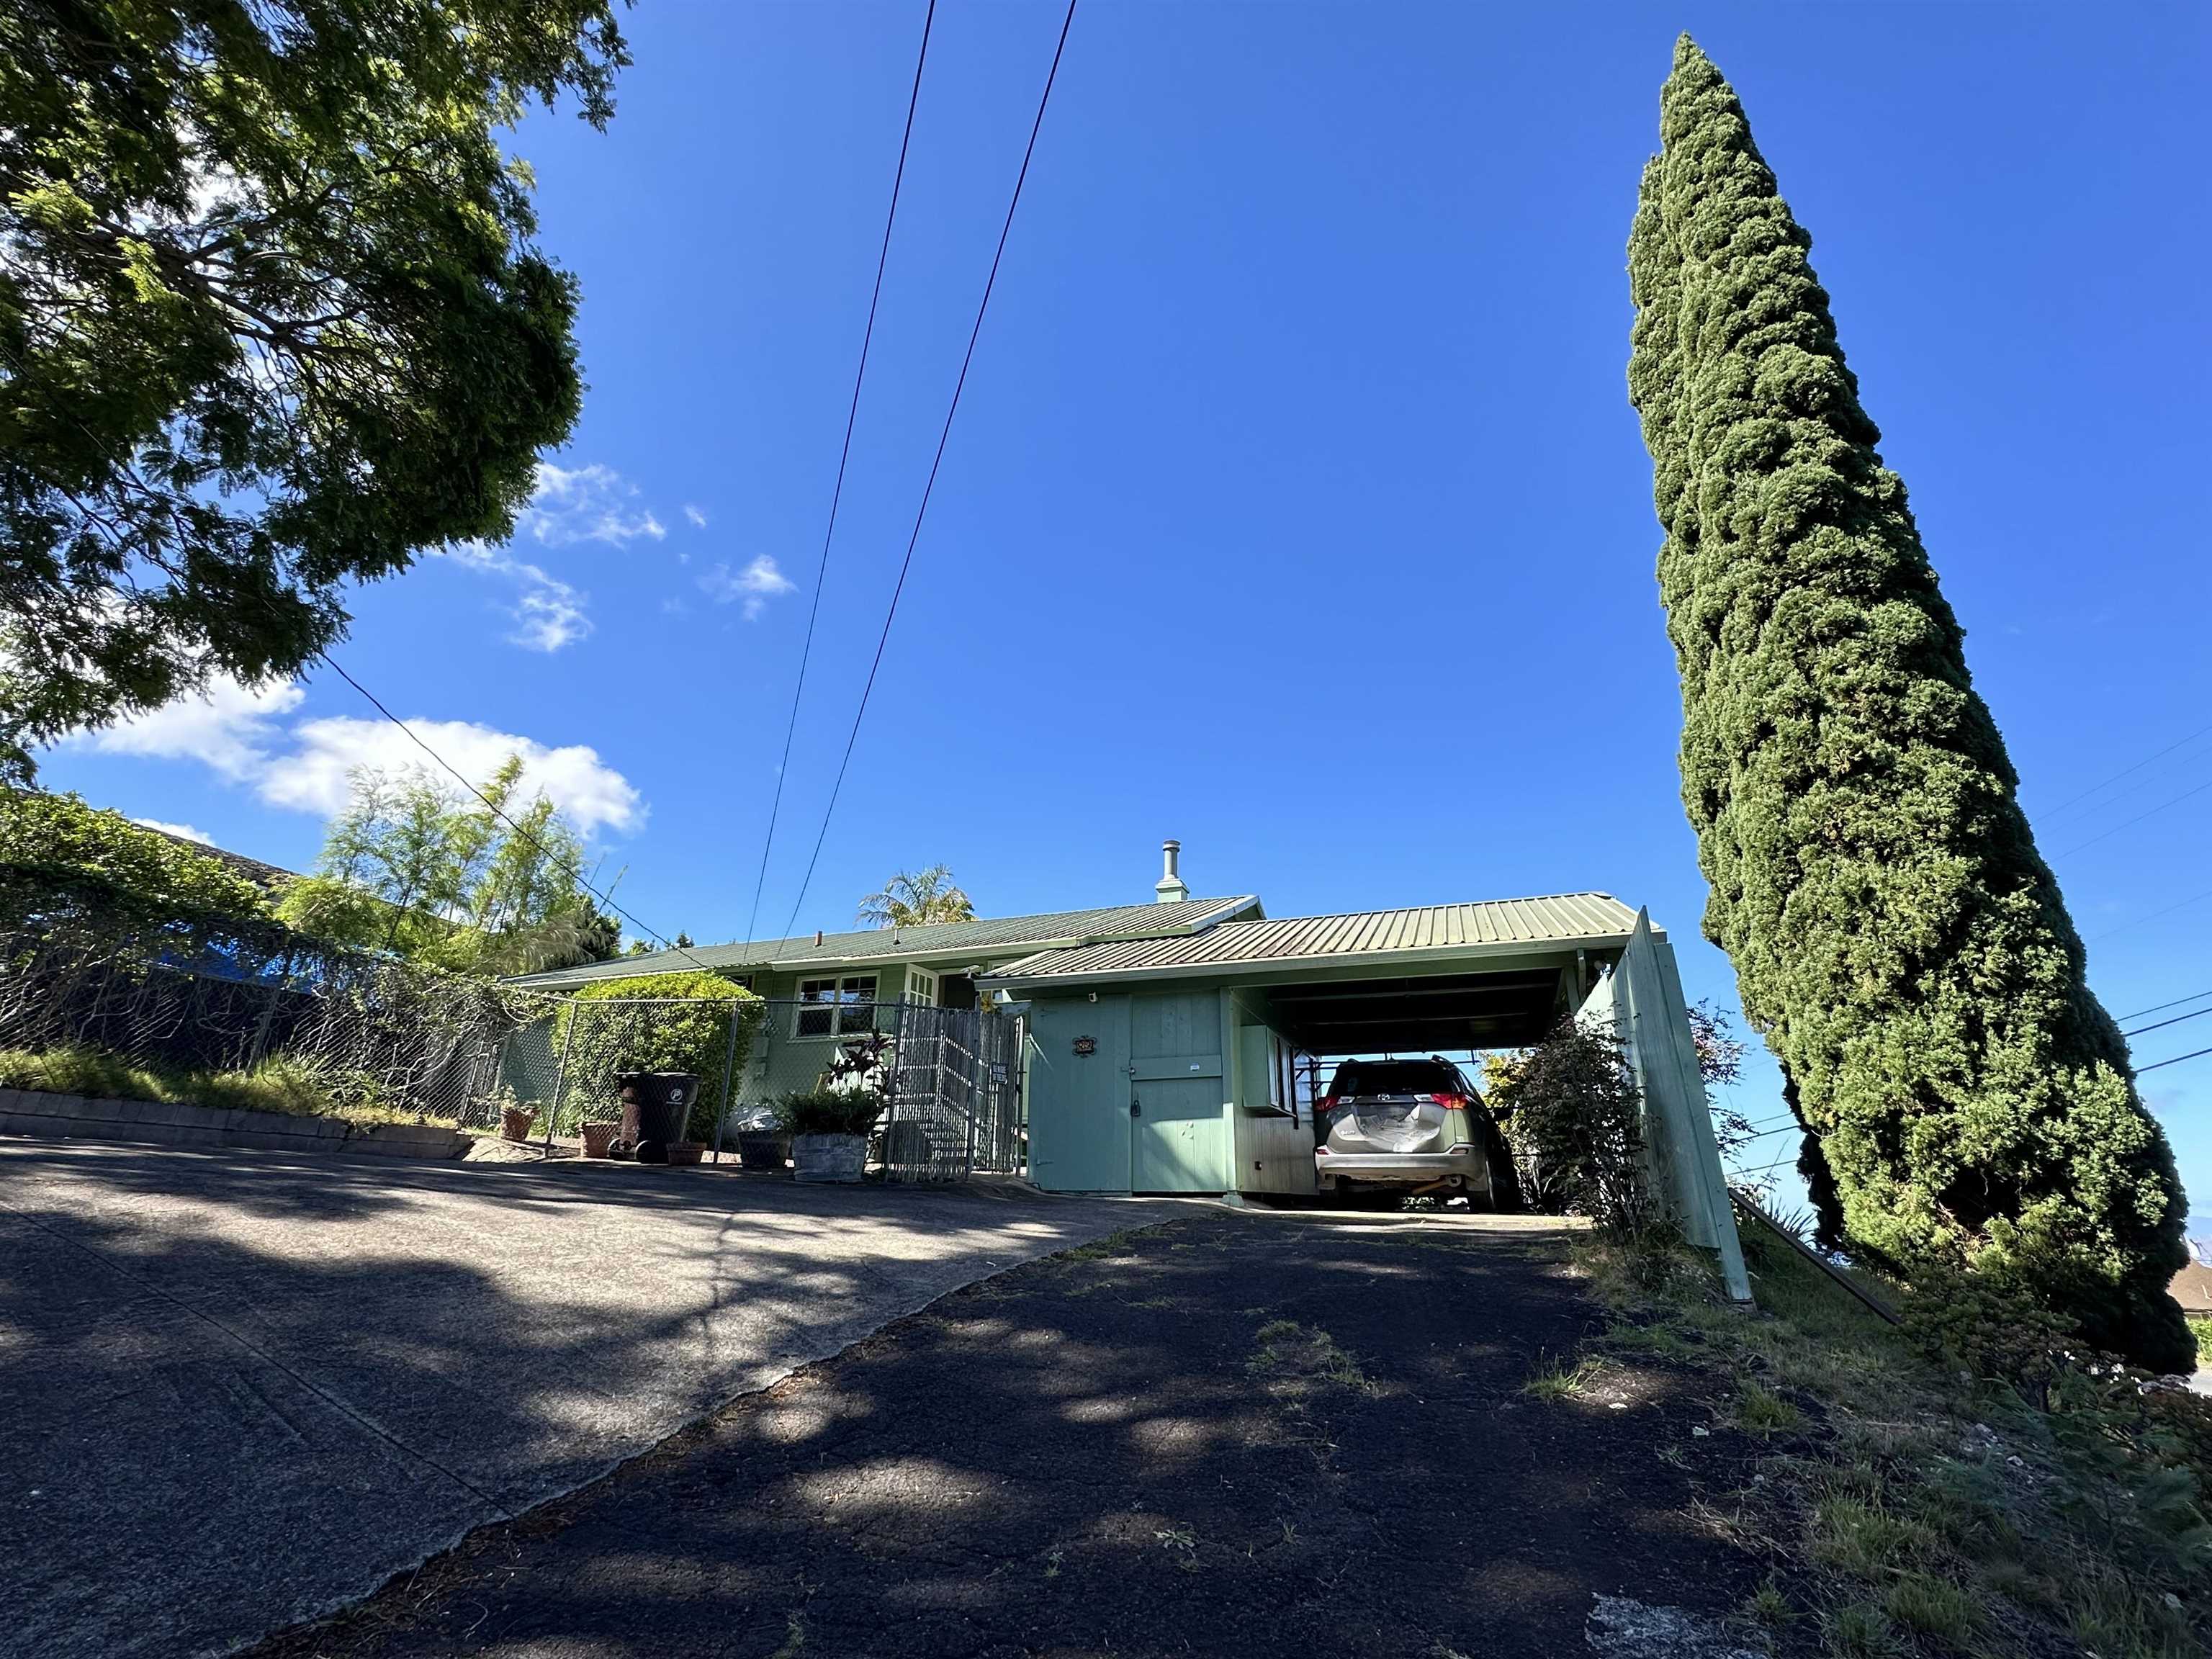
(689, 1036)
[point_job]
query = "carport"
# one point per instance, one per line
(1186, 1064)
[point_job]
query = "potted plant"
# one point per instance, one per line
(828, 1130)
(598, 1135)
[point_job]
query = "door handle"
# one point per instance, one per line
(1136, 1109)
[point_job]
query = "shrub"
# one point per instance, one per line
(1573, 1118)
(689, 1035)
(829, 1111)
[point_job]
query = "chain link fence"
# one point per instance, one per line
(369, 1031)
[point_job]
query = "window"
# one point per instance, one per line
(921, 986)
(833, 1007)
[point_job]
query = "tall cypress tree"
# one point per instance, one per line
(1897, 938)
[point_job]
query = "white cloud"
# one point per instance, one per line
(304, 766)
(183, 831)
(756, 583)
(312, 777)
(548, 612)
(228, 725)
(586, 504)
(698, 519)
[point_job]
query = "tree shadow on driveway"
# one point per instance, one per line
(1230, 1435)
(244, 1388)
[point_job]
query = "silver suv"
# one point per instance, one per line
(1399, 1126)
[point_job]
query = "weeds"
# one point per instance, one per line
(1295, 1353)
(1554, 1379)
(1762, 1412)
(1183, 1543)
(291, 1085)
(1933, 1511)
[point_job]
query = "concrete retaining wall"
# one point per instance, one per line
(168, 1123)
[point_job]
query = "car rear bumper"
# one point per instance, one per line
(1405, 1169)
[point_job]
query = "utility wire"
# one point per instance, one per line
(844, 455)
(2196, 1013)
(2186, 794)
(2159, 1007)
(2072, 800)
(943, 437)
(574, 873)
(2195, 1055)
(2180, 904)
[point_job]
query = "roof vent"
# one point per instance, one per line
(1169, 890)
(818, 936)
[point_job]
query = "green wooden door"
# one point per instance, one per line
(1078, 1082)
(1176, 1084)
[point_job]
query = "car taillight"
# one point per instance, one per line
(1451, 1102)
(1326, 1104)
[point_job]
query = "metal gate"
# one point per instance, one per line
(954, 1088)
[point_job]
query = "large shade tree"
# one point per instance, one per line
(1895, 933)
(271, 321)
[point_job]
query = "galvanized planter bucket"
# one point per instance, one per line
(828, 1158)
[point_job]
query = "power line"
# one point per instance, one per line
(928, 487)
(2186, 794)
(844, 455)
(2196, 1054)
(574, 871)
(2182, 904)
(2198, 1014)
(2072, 800)
(2158, 1008)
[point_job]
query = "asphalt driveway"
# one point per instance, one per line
(242, 1388)
(1241, 1436)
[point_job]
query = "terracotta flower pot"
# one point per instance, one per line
(597, 1137)
(686, 1151)
(515, 1123)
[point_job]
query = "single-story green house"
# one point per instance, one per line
(1177, 1047)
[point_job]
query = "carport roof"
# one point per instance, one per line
(1437, 932)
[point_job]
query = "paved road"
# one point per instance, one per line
(1242, 1436)
(241, 1389)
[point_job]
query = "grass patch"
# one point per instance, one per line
(1919, 1511)
(1554, 1379)
(287, 1083)
(1294, 1353)
(2200, 1326)
(1762, 1412)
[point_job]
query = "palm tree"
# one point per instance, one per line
(915, 898)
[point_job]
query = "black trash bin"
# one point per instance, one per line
(654, 1105)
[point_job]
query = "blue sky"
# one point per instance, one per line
(1295, 507)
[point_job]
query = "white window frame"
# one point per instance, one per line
(921, 986)
(846, 1000)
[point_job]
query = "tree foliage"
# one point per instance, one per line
(57, 856)
(271, 321)
(411, 868)
(1896, 936)
(916, 898)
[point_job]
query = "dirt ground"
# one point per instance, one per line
(1269, 1433)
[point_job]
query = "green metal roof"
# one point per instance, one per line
(997, 938)
(1568, 920)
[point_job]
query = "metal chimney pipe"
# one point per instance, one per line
(1170, 889)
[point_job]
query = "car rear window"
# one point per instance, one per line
(1398, 1077)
